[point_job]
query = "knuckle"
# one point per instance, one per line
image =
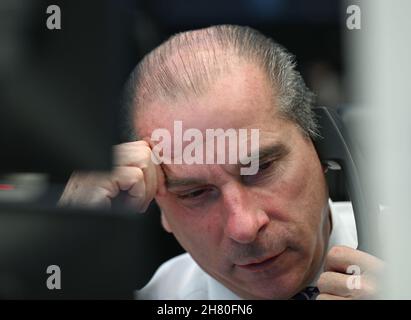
(335, 252)
(144, 154)
(139, 175)
(322, 281)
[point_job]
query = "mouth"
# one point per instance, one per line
(261, 264)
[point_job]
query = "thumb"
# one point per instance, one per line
(161, 186)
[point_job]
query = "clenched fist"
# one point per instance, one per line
(134, 172)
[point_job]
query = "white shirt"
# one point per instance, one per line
(181, 278)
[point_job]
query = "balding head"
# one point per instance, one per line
(261, 235)
(186, 65)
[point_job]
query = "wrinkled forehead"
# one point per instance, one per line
(203, 135)
(222, 137)
(236, 149)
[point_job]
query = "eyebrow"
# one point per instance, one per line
(272, 151)
(182, 182)
(268, 152)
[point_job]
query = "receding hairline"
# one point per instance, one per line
(187, 63)
(148, 111)
(184, 66)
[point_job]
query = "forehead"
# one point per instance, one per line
(182, 174)
(242, 98)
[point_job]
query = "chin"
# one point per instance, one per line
(282, 289)
(280, 284)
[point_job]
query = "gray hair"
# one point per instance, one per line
(189, 62)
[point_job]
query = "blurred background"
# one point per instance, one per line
(60, 91)
(311, 30)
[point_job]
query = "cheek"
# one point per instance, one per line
(292, 189)
(197, 232)
(305, 181)
(308, 197)
(298, 197)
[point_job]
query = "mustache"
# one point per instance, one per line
(260, 248)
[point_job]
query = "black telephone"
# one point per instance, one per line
(336, 150)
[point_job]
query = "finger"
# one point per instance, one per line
(161, 181)
(131, 179)
(126, 177)
(151, 179)
(127, 154)
(139, 154)
(138, 191)
(161, 186)
(326, 296)
(340, 258)
(136, 203)
(334, 283)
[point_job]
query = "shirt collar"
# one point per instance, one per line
(343, 230)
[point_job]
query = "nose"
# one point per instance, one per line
(244, 219)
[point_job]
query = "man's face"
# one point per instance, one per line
(262, 236)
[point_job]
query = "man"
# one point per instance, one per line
(267, 235)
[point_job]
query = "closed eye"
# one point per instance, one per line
(192, 194)
(266, 165)
(265, 170)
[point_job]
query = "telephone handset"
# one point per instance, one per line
(337, 151)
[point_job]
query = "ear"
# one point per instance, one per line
(164, 222)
